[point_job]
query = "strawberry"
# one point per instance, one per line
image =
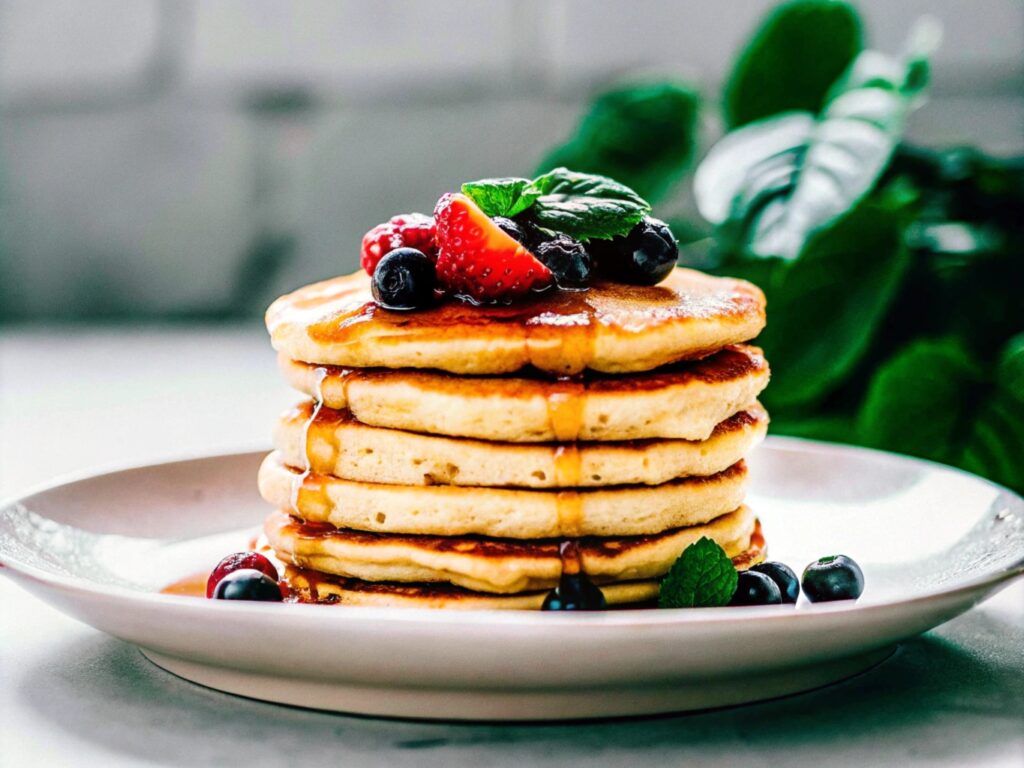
(477, 260)
(410, 230)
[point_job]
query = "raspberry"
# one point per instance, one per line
(409, 230)
(477, 260)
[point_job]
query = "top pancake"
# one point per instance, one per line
(612, 328)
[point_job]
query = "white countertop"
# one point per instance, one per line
(74, 400)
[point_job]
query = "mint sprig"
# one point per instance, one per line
(501, 197)
(586, 206)
(582, 205)
(702, 577)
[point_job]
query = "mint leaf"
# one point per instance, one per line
(501, 197)
(584, 205)
(800, 49)
(642, 133)
(702, 577)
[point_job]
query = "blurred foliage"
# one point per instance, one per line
(896, 317)
(827, 306)
(642, 135)
(772, 74)
(770, 184)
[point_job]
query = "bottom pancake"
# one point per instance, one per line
(503, 566)
(307, 586)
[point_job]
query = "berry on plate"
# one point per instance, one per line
(237, 562)
(410, 230)
(783, 576)
(754, 588)
(836, 577)
(248, 584)
(575, 592)
(477, 260)
(404, 279)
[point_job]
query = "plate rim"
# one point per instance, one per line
(654, 617)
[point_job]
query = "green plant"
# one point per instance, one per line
(893, 273)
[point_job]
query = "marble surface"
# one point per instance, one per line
(74, 400)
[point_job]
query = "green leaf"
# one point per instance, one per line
(642, 134)
(995, 446)
(921, 401)
(501, 197)
(585, 206)
(702, 577)
(776, 181)
(827, 306)
(792, 60)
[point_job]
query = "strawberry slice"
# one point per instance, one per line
(477, 260)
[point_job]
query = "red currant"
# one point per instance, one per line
(237, 562)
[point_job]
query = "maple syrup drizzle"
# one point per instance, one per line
(569, 552)
(565, 400)
(568, 502)
(299, 482)
(572, 565)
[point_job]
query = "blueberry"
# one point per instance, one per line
(567, 259)
(645, 256)
(404, 279)
(755, 589)
(248, 584)
(836, 577)
(513, 229)
(575, 592)
(783, 576)
(237, 562)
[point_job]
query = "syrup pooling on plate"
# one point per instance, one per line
(193, 585)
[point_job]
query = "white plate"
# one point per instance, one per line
(932, 541)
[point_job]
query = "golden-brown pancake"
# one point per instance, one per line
(335, 443)
(308, 586)
(503, 566)
(611, 327)
(450, 510)
(684, 401)
(312, 587)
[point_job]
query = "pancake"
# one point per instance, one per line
(335, 443)
(450, 510)
(308, 586)
(313, 587)
(611, 327)
(493, 565)
(684, 401)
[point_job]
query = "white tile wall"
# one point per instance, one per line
(56, 44)
(135, 175)
(148, 207)
(350, 45)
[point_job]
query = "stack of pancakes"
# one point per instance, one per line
(455, 457)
